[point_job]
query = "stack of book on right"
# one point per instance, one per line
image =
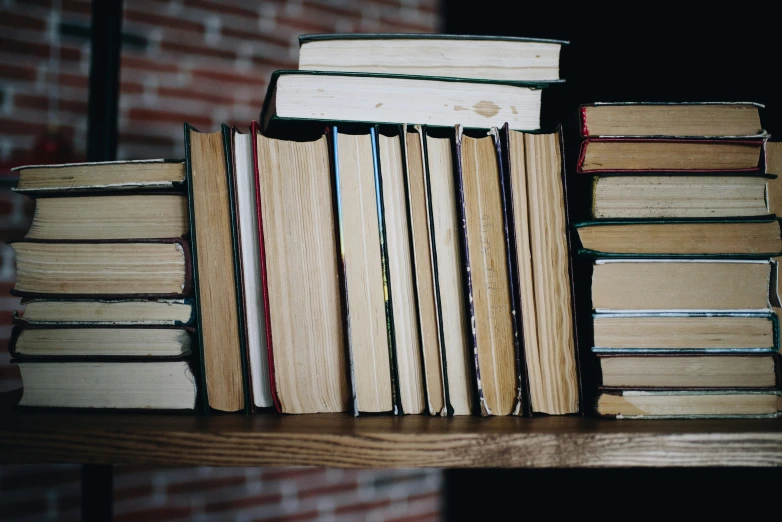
(681, 238)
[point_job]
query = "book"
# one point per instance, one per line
(245, 214)
(688, 371)
(544, 276)
(102, 175)
(45, 343)
(750, 237)
(156, 268)
(218, 308)
(678, 196)
(458, 56)
(400, 278)
(370, 352)
(680, 284)
(486, 256)
(419, 204)
(694, 332)
(647, 404)
(301, 285)
(399, 99)
(124, 216)
(670, 155)
(171, 312)
(132, 385)
(690, 119)
(454, 319)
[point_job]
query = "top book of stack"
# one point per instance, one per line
(436, 80)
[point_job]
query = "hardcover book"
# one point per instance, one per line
(648, 404)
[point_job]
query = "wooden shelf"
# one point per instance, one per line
(340, 440)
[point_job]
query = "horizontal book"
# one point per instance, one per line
(669, 155)
(696, 120)
(686, 284)
(99, 343)
(637, 404)
(705, 333)
(158, 268)
(688, 371)
(164, 385)
(171, 312)
(105, 175)
(400, 99)
(459, 56)
(751, 238)
(678, 196)
(125, 216)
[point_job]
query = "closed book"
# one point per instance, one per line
(447, 55)
(109, 312)
(98, 269)
(684, 404)
(222, 355)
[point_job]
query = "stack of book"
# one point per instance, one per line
(105, 272)
(413, 258)
(681, 239)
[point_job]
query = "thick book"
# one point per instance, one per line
(218, 307)
(109, 216)
(399, 274)
(684, 404)
(370, 347)
(45, 343)
(151, 384)
(685, 332)
(670, 155)
(300, 275)
(688, 371)
(681, 284)
(459, 56)
(108, 312)
(106, 175)
(684, 120)
(97, 269)
(399, 99)
(487, 258)
(678, 196)
(245, 215)
(541, 249)
(755, 237)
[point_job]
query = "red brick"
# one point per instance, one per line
(5, 291)
(353, 12)
(395, 24)
(21, 128)
(306, 26)
(241, 503)
(18, 72)
(189, 94)
(332, 489)
(258, 36)
(31, 101)
(137, 62)
(6, 207)
(293, 517)
(145, 139)
(162, 21)
(42, 479)
(202, 484)
(198, 50)
(155, 514)
(432, 516)
(362, 506)
(286, 473)
(72, 80)
(77, 6)
(229, 77)
(130, 88)
(222, 9)
(21, 508)
(423, 496)
(5, 317)
(153, 115)
(134, 492)
(18, 20)
(271, 62)
(9, 372)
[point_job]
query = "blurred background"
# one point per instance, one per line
(205, 62)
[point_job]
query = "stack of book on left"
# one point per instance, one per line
(105, 273)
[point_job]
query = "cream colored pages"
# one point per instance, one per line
(310, 370)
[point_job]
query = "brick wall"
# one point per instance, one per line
(205, 62)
